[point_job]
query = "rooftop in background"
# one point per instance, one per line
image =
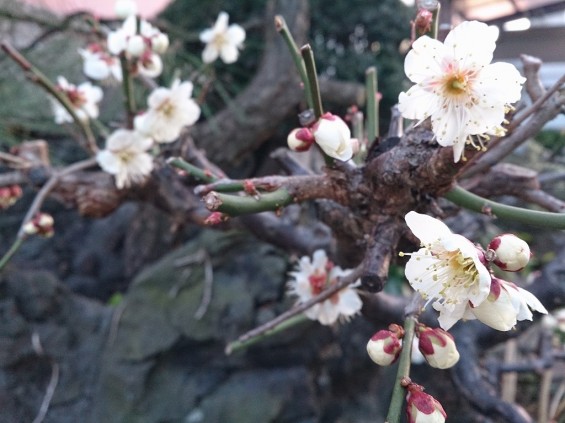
(499, 11)
(99, 8)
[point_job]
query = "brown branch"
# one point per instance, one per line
(324, 295)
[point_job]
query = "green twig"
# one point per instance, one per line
(287, 324)
(371, 87)
(192, 170)
(15, 246)
(471, 201)
(310, 65)
(282, 28)
(235, 205)
(35, 75)
(398, 393)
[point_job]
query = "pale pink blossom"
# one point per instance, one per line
(99, 64)
(313, 276)
(83, 98)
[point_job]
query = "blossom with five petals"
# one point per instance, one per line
(126, 157)
(312, 277)
(170, 110)
(457, 86)
(222, 41)
(448, 269)
(84, 99)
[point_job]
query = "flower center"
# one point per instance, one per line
(166, 108)
(317, 281)
(456, 85)
(125, 156)
(77, 98)
(219, 41)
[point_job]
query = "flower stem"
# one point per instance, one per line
(15, 247)
(35, 75)
(403, 371)
(471, 201)
(435, 21)
(287, 324)
(127, 86)
(282, 29)
(371, 89)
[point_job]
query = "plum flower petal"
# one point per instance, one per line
(170, 110)
(222, 41)
(506, 305)
(457, 86)
(126, 157)
(314, 275)
(446, 270)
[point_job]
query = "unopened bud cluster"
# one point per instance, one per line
(436, 345)
(41, 224)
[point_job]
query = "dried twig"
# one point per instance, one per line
(53, 381)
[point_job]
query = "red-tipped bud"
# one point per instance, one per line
(41, 224)
(300, 139)
(423, 21)
(438, 347)
(215, 218)
(9, 195)
(510, 252)
(333, 136)
(384, 347)
(422, 407)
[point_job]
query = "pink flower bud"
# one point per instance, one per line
(41, 224)
(333, 136)
(300, 139)
(423, 408)
(384, 347)
(9, 195)
(438, 347)
(423, 21)
(510, 252)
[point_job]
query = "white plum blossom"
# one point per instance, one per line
(222, 40)
(333, 136)
(126, 157)
(313, 276)
(170, 110)
(457, 86)
(99, 64)
(505, 306)
(84, 99)
(446, 270)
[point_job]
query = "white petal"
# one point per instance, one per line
(426, 228)
(108, 161)
(229, 53)
(418, 103)
(207, 35)
(471, 44)
(499, 314)
(349, 302)
(210, 53)
(235, 34)
(424, 60)
(450, 124)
